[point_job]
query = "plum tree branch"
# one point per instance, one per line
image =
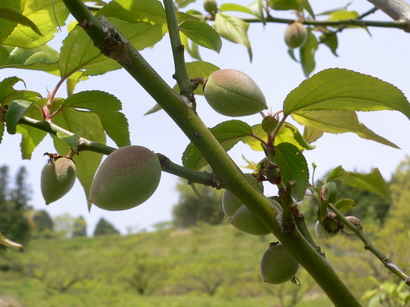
(225, 169)
(181, 75)
(394, 268)
(398, 10)
(205, 178)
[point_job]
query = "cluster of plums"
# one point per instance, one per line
(125, 179)
(277, 265)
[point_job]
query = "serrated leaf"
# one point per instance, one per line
(202, 34)
(147, 11)
(337, 121)
(227, 133)
(86, 162)
(345, 204)
(342, 89)
(47, 15)
(233, 29)
(107, 107)
(7, 26)
(287, 134)
(8, 93)
(15, 16)
(372, 182)
(307, 53)
(293, 167)
(16, 110)
(79, 53)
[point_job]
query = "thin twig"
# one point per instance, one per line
(368, 245)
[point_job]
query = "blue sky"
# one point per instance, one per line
(383, 55)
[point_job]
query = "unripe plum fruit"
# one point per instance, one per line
(231, 203)
(57, 178)
(246, 221)
(210, 6)
(322, 233)
(126, 178)
(278, 265)
(295, 35)
(233, 93)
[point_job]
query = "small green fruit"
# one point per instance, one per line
(246, 221)
(323, 233)
(57, 178)
(278, 265)
(233, 93)
(210, 6)
(230, 203)
(295, 35)
(126, 178)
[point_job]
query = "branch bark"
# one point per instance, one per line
(398, 10)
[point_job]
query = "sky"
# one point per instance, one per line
(384, 55)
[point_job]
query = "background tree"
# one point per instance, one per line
(80, 227)
(43, 224)
(193, 208)
(14, 208)
(104, 227)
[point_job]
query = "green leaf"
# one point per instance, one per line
(307, 53)
(287, 134)
(342, 15)
(86, 162)
(47, 15)
(147, 11)
(336, 121)
(79, 53)
(6, 25)
(293, 166)
(236, 8)
(202, 34)
(16, 110)
(107, 107)
(308, 8)
(233, 29)
(257, 7)
(227, 133)
(198, 69)
(331, 41)
(311, 134)
(31, 136)
(71, 140)
(372, 182)
(345, 204)
(284, 4)
(42, 58)
(8, 93)
(15, 16)
(191, 47)
(183, 3)
(342, 89)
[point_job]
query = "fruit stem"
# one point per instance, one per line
(394, 268)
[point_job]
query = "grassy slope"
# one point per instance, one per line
(109, 258)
